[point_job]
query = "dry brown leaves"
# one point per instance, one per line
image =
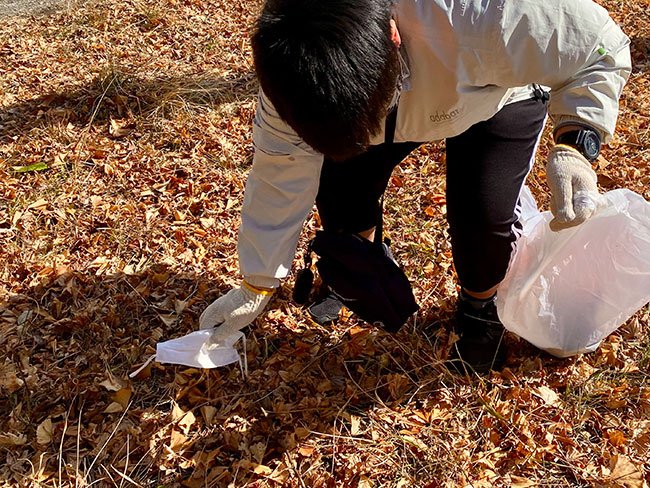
(125, 140)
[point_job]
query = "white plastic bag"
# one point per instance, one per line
(566, 291)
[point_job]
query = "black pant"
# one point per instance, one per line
(486, 169)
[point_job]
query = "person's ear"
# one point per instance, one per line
(394, 33)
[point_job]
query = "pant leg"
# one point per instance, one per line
(486, 169)
(349, 194)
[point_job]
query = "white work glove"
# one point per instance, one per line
(234, 310)
(571, 180)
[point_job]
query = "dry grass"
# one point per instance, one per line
(138, 116)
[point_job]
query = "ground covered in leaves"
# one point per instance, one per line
(124, 146)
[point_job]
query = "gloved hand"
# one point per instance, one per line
(570, 179)
(234, 310)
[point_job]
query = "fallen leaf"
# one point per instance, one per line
(545, 393)
(415, 442)
(177, 412)
(177, 441)
(208, 413)
(438, 198)
(180, 306)
(616, 402)
(39, 204)
(9, 380)
(186, 422)
(642, 444)
(114, 408)
(520, 482)
(119, 128)
(306, 451)
(179, 216)
(397, 181)
(616, 437)
(602, 162)
(112, 384)
(9, 439)
(207, 222)
(168, 319)
(256, 468)
(44, 432)
(262, 470)
(355, 425)
(258, 450)
(397, 385)
(365, 482)
(624, 474)
(30, 168)
(123, 396)
(301, 432)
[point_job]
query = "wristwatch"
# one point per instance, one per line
(587, 141)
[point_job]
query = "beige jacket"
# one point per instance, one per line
(467, 59)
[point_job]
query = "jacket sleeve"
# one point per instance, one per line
(280, 191)
(571, 46)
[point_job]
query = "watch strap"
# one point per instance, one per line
(576, 139)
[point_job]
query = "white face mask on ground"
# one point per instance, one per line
(199, 350)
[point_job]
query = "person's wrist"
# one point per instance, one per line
(258, 290)
(586, 140)
(573, 150)
(567, 123)
(565, 128)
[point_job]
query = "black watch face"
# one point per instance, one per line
(591, 145)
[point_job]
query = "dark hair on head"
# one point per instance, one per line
(329, 67)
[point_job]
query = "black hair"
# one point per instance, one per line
(329, 67)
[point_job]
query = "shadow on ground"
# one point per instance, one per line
(640, 50)
(30, 7)
(116, 95)
(70, 411)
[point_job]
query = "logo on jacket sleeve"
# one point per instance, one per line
(443, 116)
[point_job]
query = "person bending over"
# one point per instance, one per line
(348, 88)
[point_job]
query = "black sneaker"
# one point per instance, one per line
(480, 347)
(326, 310)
